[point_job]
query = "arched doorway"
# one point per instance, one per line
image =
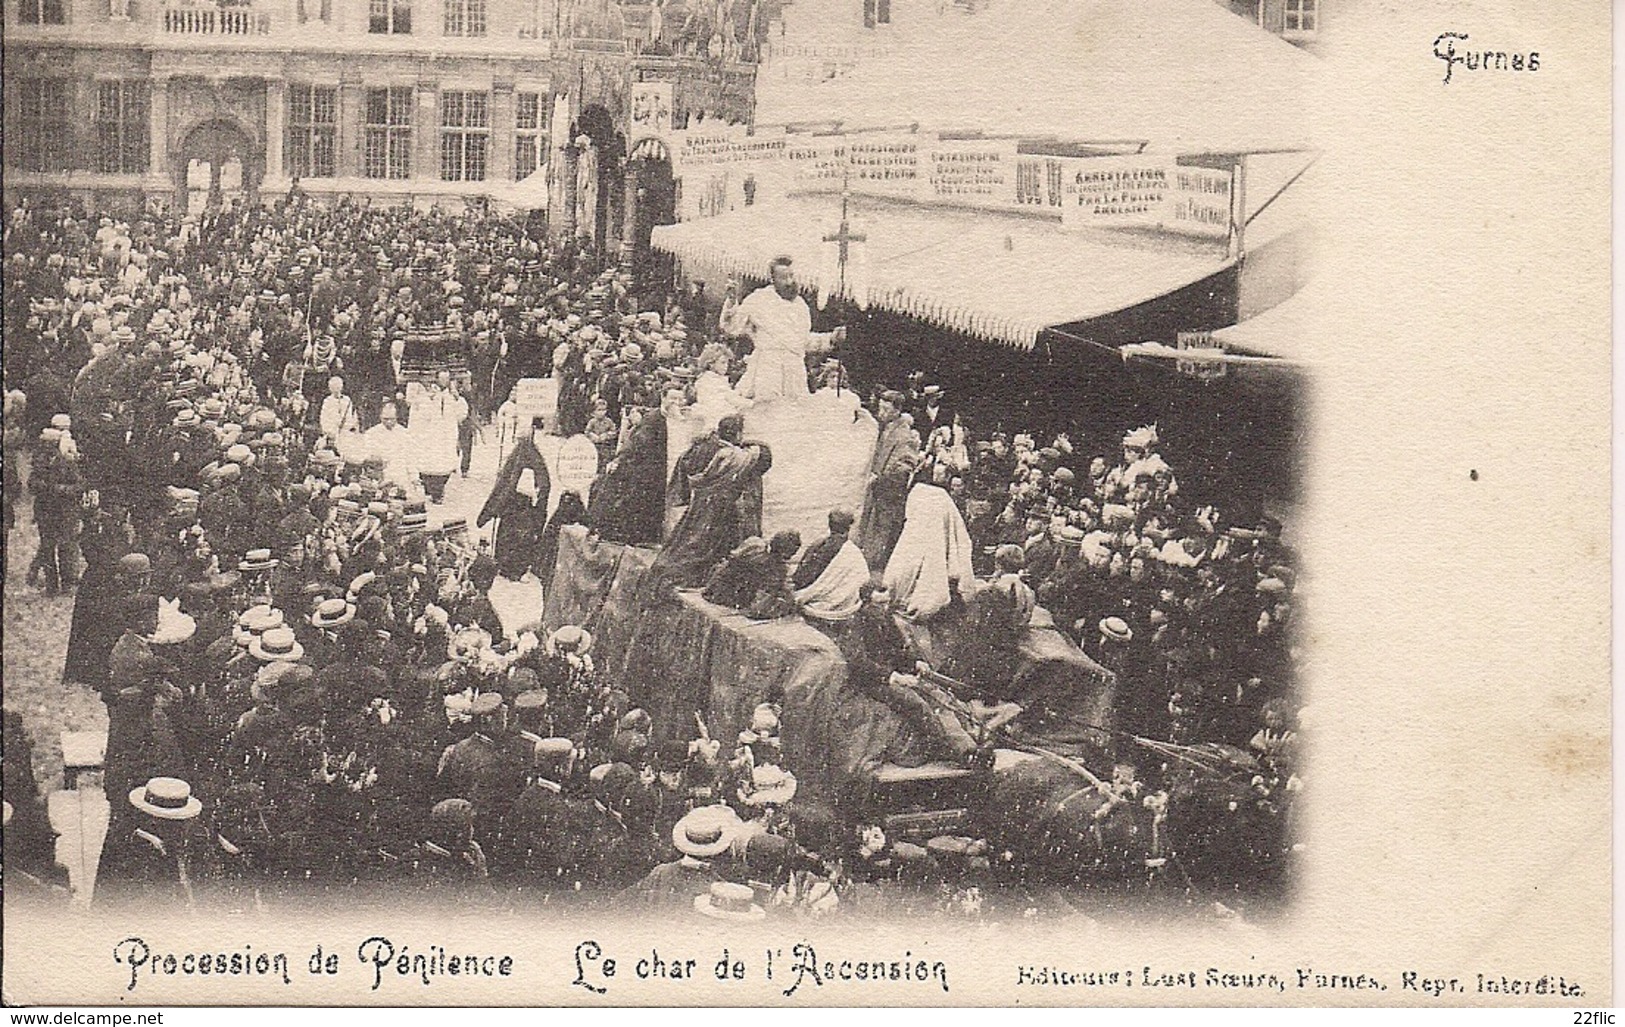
(599, 162)
(217, 162)
(653, 199)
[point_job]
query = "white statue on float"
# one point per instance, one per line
(821, 442)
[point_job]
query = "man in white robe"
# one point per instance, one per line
(394, 445)
(835, 595)
(338, 414)
(437, 410)
(932, 559)
(779, 324)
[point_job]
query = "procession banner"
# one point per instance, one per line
(728, 167)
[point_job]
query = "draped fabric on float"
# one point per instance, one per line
(716, 662)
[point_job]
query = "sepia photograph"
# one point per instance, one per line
(794, 463)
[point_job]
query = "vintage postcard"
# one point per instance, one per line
(807, 502)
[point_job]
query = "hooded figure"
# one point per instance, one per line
(932, 560)
(629, 499)
(518, 502)
(570, 511)
(724, 510)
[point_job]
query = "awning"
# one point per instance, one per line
(1288, 331)
(997, 277)
(529, 193)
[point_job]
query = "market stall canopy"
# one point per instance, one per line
(1287, 331)
(1186, 75)
(1000, 277)
(529, 193)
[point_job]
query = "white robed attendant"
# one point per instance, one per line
(714, 398)
(395, 446)
(436, 413)
(833, 595)
(779, 324)
(932, 559)
(338, 414)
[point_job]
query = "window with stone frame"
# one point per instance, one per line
(42, 12)
(465, 17)
(311, 150)
(387, 133)
(1302, 17)
(123, 145)
(41, 111)
(465, 129)
(389, 17)
(527, 134)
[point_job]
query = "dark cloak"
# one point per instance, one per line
(520, 522)
(629, 498)
(719, 517)
(570, 511)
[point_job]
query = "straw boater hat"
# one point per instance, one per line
(705, 831)
(276, 681)
(569, 639)
(1117, 629)
(551, 750)
(167, 798)
(727, 901)
(256, 621)
(768, 786)
(332, 613)
(276, 644)
(257, 560)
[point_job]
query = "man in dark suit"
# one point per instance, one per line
(932, 412)
(890, 470)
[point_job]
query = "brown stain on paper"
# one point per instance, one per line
(1576, 755)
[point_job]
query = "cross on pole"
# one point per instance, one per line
(844, 237)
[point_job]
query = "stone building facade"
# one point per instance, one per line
(189, 102)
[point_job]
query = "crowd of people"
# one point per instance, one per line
(234, 429)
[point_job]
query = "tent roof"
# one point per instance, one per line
(529, 193)
(1184, 74)
(1001, 277)
(1289, 330)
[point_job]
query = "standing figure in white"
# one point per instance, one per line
(779, 324)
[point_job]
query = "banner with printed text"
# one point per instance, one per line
(969, 172)
(1199, 202)
(1116, 192)
(726, 167)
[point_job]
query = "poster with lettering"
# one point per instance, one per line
(970, 172)
(576, 467)
(1199, 202)
(817, 163)
(1040, 183)
(1116, 192)
(994, 662)
(729, 167)
(886, 165)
